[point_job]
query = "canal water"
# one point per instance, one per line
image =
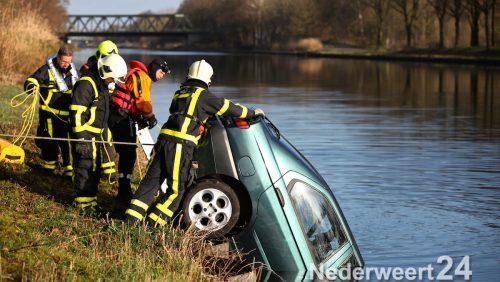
(411, 150)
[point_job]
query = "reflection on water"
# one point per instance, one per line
(412, 151)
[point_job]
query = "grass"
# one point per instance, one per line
(44, 238)
(450, 55)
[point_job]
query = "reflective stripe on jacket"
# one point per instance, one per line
(89, 108)
(192, 105)
(52, 100)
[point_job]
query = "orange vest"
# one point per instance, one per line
(134, 96)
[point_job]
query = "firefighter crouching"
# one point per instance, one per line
(54, 80)
(132, 103)
(89, 113)
(172, 154)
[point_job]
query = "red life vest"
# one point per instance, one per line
(122, 97)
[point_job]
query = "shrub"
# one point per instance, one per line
(309, 44)
(25, 40)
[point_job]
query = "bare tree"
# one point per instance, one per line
(473, 9)
(493, 15)
(275, 23)
(456, 9)
(303, 18)
(361, 18)
(381, 9)
(409, 10)
(328, 18)
(49, 8)
(440, 10)
(257, 7)
(486, 7)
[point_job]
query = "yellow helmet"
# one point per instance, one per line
(105, 48)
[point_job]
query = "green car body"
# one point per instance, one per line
(289, 218)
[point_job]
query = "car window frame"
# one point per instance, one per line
(310, 247)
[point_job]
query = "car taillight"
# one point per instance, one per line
(241, 123)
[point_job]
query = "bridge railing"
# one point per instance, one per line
(126, 24)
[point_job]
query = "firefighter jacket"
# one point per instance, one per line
(90, 106)
(192, 105)
(51, 79)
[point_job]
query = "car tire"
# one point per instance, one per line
(214, 207)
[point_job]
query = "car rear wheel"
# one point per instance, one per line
(213, 206)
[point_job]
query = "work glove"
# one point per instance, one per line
(152, 122)
(259, 112)
(83, 149)
(142, 123)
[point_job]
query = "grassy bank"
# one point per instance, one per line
(44, 238)
(451, 55)
(477, 56)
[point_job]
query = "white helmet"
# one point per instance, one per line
(201, 70)
(113, 66)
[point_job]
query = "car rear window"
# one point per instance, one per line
(318, 219)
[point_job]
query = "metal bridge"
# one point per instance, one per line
(129, 25)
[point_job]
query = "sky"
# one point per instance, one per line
(115, 7)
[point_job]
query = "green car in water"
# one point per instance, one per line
(254, 186)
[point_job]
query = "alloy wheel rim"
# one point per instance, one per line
(210, 209)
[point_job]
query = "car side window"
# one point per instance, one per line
(318, 219)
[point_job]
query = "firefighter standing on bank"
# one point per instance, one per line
(55, 81)
(89, 113)
(105, 48)
(173, 152)
(132, 103)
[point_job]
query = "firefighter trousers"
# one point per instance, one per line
(170, 160)
(86, 176)
(52, 126)
(124, 131)
(107, 153)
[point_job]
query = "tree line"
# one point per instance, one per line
(388, 24)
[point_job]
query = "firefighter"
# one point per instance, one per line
(55, 81)
(131, 103)
(173, 152)
(89, 113)
(104, 49)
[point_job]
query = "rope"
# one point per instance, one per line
(50, 109)
(110, 181)
(139, 161)
(28, 114)
(72, 139)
